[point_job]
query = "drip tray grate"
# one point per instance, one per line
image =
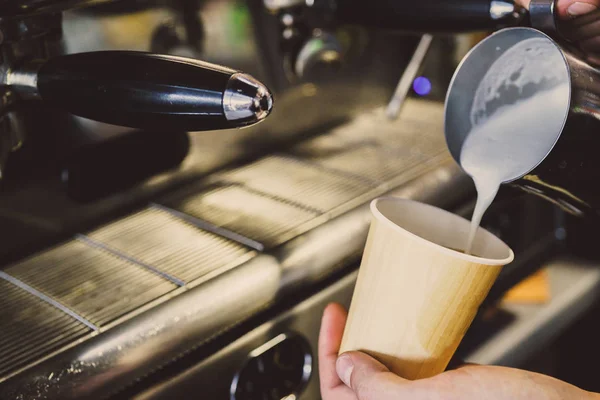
(31, 328)
(95, 284)
(383, 155)
(298, 182)
(371, 162)
(171, 245)
(262, 219)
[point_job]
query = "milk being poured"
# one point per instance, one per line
(512, 140)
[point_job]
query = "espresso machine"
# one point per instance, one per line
(158, 242)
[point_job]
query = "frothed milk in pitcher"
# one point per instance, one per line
(498, 150)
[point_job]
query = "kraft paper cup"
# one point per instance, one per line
(415, 297)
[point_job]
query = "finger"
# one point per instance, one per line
(368, 378)
(591, 45)
(593, 60)
(330, 339)
(575, 8)
(523, 3)
(582, 28)
(568, 9)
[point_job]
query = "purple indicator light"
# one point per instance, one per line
(422, 86)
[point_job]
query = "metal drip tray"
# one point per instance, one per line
(171, 245)
(296, 182)
(31, 328)
(262, 219)
(420, 122)
(94, 283)
(378, 150)
(375, 163)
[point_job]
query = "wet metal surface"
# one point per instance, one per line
(31, 328)
(170, 244)
(94, 283)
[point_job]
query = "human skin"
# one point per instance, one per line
(586, 36)
(570, 8)
(357, 376)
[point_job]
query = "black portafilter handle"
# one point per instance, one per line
(146, 91)
(425, 16)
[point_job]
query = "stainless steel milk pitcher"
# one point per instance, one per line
(528, 62)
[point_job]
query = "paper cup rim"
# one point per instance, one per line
(467, 257)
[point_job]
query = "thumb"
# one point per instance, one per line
(576, 8)
(569, 8)
(368, 378)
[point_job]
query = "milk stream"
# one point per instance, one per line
(494, 152)
(516, 137)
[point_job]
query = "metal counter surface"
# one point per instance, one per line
(575, 288)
